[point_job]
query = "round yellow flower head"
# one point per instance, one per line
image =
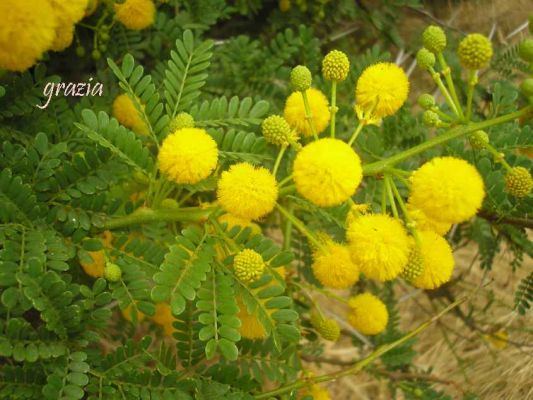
(294, 111)
(518, 182)
(327, 328)
(188, 155)
(475, 51)
(434, 39)
(300, 78)
(381, 90)
(437, 259)
(424, 223)
(232, 221)
(63, 38)
(246, 191)
(277, 131)
(447, 189)
(379, 245)
(317, 392)
(125, 112)
(136, 14)
(68, 13)
(27, 31)
(327, 172)
(368, 314)
(96, 267)
(248, 265)
(251, 328)
(163, 317)
(333, 266)
(335, 66)
(180, 121)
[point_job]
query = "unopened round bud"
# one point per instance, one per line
(434, 39)
(527, 87)
(430, 118)
(426, 101)
(526, 50)
(475, 51)
(478, 139)
(276, 130)
(425, 58)
(182, 120)
(518, 182)
(248, 265)
(301, 78)
(327, 328)
(112, 272)
(335, 66)
(414, 267)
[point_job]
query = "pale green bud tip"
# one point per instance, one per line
(335, 66)
(182, 120)
(112, 272)
(478, 139)
(430, 118)
(518, 182)
(434, 39)
(527, 87)
(526, 50)
(426, 101)
(276, 130)
(425, 58)
(301, 78)
(475, 51)
(327, 328)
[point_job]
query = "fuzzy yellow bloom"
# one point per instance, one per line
(232, 221)
(368, 314)
(447, 189)
(26, 32)
(246, 191)
(381, 90)
(294, 111)
(163, 317)
(68, 13)
(327, 172)
(127, 114)
(63, 38)
(424, 223)
(379, 245)
(188, 155)
(333, 266)
(136, 14)
(437, 261)
(317, 392)
(498, 340)
(96, 267)
(251, 327)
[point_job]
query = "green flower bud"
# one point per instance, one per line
(434, 39)
(96, 55)
(426, 101)
(301, 78)
(335, 66)
(169, 204)
(531, 24)
(248, 265)
(425, 58)
(478, 140)
(475, 51)
(112, 272)
(525, 50)
(182, 120)
(276, 130)
(518, 182)
(430, 118)
(80, 51)
(527, 87)
(327, 328)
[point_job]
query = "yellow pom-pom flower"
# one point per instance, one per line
(294, 111)
(246, 191)
(188, 155)
(67, 14)
(424, 223)
(447, 189)
(368, 314)
(335, 66)
(475, 51)
(127, 114)
(327, 172)
(381, 90)
(379, 246)
(251, 328)
(333, 266)
(163, 317)
(317, 392)
(518, 182)
(233, 221)
(248, 265)
(26, 32)
(437, 260)
(136, 14)
(63, 38)
(415, 265)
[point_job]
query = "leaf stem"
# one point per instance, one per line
(301, 227)
(278, 160)
(472, 81)
(446, 71)
(309, 114)
(356, 133)
(333, 106)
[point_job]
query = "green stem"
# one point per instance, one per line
(301, 227)
(356, 133)
(309, 115)
(284, 181)
(446, 71)
(472, 81)
(333, 106)
(386, 181)
(360, 365)
(378, 167)
(410, 224)
(436, 77)
(287, 232)
(383, 197)
(498, 157)
(278, 160)
(325, 292)
(146, 215)
(442, 114)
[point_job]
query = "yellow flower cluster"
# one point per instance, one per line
(295, 115)
(333, 266)
(135, 14)
(368, 314)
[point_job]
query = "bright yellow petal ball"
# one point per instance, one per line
(246, 191)
(251, 328)
(424, 223)
(333, 266)
(437, 261)
(381, 90)
(379, 245)
(26, 32)
(68, 13)
(368, 314)
(294, 111)
(136, 14)
(125, 112)
(327, 172)
(447, 189)
(188, 155)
